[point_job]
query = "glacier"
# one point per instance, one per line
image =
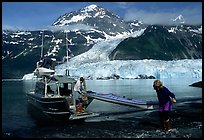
(95, 64)
(133, 68)
(186, 68)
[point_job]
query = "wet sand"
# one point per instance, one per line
(186, 122)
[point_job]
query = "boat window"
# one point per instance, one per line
(68, 86)
(65, 89)
(52, 88)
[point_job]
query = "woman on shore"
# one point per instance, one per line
(165, 104)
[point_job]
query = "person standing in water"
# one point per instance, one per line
(165, 104)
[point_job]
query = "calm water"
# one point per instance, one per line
(16, 120)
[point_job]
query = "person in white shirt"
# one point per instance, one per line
(80, 87)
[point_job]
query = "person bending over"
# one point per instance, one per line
(165, 104)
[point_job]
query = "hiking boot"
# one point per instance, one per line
(81, 109)
(164, 126)
(78, 109)
(168, 125)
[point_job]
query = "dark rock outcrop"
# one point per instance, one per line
(197, 84)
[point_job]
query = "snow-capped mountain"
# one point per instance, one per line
(98, 18)
(96, 35)
(179, 20)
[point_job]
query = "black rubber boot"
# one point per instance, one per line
(168, 125)
(162, 120)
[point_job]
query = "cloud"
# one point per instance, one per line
(21, 28)
(8, 27)
(53, 28)
(71, 27)
(191, 16)
(122, 5)
(12, 28)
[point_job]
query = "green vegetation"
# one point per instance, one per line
(157, 43)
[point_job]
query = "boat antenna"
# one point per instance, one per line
(42, 45)
(67, 70)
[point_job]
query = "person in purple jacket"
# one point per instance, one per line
(165, 104)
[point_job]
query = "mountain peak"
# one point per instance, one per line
(95, 17)
(179, 19)
(91, 7)
(81, 16)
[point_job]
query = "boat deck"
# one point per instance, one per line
(83, 115)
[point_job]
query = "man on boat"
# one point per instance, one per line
(47, 62)
(80, 87)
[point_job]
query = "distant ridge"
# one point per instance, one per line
(197, 84)
(4, 80)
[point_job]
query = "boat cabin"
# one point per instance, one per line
(55, 86)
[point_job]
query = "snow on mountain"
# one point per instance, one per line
(101, 50)
(94, 64)
(91, 11)
(97, 18)
(199, 30)
(75, 18)
(175, 29)
(179, 19)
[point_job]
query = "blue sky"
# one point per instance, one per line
(40, 15)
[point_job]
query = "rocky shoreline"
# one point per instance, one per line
(186, 123)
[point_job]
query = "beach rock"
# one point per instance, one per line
(197, 84)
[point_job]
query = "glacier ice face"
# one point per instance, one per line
(186, 68)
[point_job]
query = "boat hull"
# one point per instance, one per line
(56, 108)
